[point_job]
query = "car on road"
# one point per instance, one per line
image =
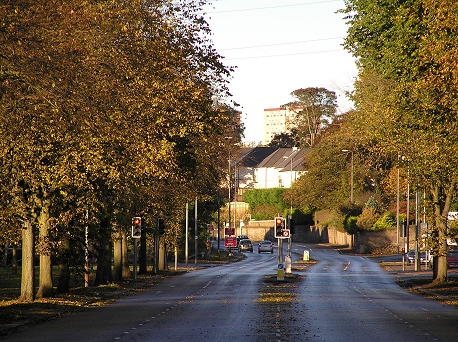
(265, 246)
(240, 238)
(452, 259)
(245, 245)
(424, 257)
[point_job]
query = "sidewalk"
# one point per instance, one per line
(408, 271)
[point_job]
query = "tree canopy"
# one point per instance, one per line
(100, 103)
(314, 110)
(406, 95)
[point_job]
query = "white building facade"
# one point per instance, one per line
(276, 121)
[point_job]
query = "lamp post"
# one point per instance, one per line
(229, 189)
(291, 185)
(351, 175)
(229, 181)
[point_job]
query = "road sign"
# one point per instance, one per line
(229, 231)
(285, 233)
(280, 272)
(230, 242)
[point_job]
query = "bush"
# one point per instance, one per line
(350, 225)
(368, 218)
(387, 221)
(265, 203)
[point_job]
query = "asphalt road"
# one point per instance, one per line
(350, 298)
(212, 304)
(342, 298)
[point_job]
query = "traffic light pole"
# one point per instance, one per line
(156, 252)
(135, 259)
(290, 220)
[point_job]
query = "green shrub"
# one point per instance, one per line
(368, 218)
(265, 204)
(350, 225)
(387, 221)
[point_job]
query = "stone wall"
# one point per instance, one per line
(264, 230)
(375, 242)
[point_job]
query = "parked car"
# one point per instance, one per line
(452, 259)
(265, 246)
(245, 245)
(424, 257)
(241, 237)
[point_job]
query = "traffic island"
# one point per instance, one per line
(277, 319)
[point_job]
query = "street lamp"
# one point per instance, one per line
(229, 181)
(351, 175)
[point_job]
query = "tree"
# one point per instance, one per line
(289, 139)
(327, 182)
(99, 100)
(406, 96)
(314, 109)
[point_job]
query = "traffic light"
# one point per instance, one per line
(136, 227)
(291, 224)
(161, 226)
(279, 226)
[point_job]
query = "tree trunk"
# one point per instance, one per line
(63, 282)
(441, 209)
(28, 269)
(14, 260)
(63, 279)
(117, 255)
(162, 256)
(125, 256)
(45, 288)
(103, 274)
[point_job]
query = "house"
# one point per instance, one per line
(281, 168)
(245, 165)
(268, 167)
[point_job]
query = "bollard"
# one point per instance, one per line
(280, 272)
(306, 255)
(287, 264)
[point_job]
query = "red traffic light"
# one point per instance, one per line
(279, 220)
(136, 227)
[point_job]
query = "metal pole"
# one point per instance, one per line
(235, 199)
(156, 251)
(408, 214)
(86, 264)
(229, 189)
(397, 210)
(351, 181)
(417, 246)
(290, 209)
(196, 236)
(186, 248)
(135, 259)
(219, 219)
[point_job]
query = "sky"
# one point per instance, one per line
(278, 46)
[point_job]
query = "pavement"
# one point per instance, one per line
(406, 272)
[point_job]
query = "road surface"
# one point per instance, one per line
(342, 298)
(350, 298)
